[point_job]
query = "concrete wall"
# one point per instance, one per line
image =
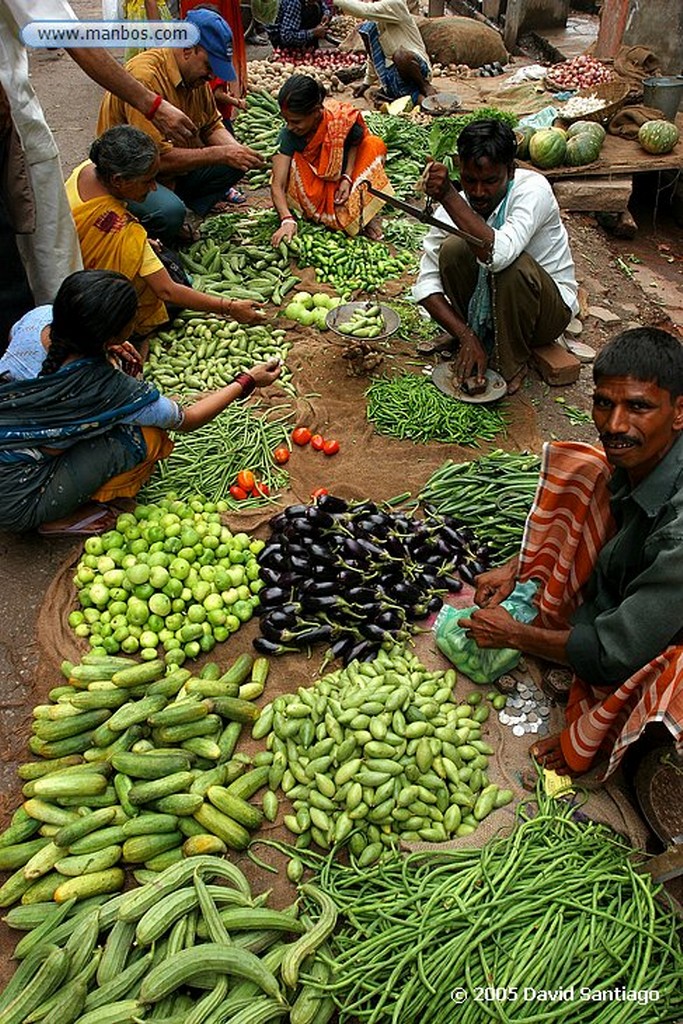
(658, 24)
(523, 15)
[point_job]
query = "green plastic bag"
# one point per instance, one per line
(483, 664)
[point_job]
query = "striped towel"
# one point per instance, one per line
(568, 524)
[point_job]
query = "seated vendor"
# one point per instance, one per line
(299, 25)
(326, 154)
(605, 539)
(77, 433)
(514, 288)
(122, 167)
(201, 173)
(397, 56)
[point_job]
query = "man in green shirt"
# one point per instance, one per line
(620, 640)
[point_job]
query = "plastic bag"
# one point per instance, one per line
(483, 664)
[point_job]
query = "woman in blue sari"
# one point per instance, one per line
(75, 429)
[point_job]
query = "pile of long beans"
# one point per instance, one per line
(207, 461)
(410, 407)
(492, 495)
(551, 923)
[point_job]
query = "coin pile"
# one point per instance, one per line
(527, 710)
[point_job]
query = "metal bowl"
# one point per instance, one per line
(441, 103)
(341, 314)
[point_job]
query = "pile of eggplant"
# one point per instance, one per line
(354, 575)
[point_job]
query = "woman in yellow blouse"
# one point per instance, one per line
(122, 168)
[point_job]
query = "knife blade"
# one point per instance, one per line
(423, 215)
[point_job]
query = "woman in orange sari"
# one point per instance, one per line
(325, 155)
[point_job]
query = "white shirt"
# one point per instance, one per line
(532, 225)
(396, 25)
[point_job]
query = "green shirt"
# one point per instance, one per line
(633, 602)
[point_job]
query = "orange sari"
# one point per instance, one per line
(567, 526)
(316, 171)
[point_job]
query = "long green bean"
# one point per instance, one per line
(595, 943)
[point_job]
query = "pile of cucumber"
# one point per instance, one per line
(367, 322)
(136, 769)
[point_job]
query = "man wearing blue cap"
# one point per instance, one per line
(201, 172)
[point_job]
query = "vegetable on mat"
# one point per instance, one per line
(409, 406)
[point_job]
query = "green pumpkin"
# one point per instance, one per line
(523, 136)
(547, 148)
(579, 127)
(658, 136)
(582, 149)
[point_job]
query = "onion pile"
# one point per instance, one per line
(327, 59)
(580, 73)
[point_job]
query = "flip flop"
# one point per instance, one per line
(88, 525)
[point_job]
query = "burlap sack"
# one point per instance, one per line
(461, 41)
(628, 120)
(633, 64)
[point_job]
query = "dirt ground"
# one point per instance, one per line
(624, 283)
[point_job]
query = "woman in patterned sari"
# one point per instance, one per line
(325, 155)
(76, 434)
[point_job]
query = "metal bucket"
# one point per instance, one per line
(665, 94)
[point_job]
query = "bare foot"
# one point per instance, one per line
(516, 382)
(548, 753)
(373, 230)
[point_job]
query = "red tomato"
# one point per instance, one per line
(318, 442)
(238, 493)
(245, 479)
(319, 492)
(331, 447)
(281, 455)
(301, 436)
(260, 490)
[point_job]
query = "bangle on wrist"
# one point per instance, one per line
(158, 100)
(346, 177)
(246, 382)
(287, 220)
(229, 305)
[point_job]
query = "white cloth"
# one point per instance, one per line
(52, 251)
(532, 224)
(397, 26)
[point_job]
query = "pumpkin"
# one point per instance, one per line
(579, 127)
(658, 136)
(547, 148)
(582, 149)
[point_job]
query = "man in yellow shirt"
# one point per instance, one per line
(201, 172)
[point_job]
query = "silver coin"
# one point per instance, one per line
(532, 717)
(543, 729)
(518, 730)
(523, 716)
(513, 719)
(544, 711)
(503, 717)
(516, 702)
(534, 727)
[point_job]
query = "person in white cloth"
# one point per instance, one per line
(514, 288)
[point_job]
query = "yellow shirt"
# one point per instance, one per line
(158, 70)
(111, 238)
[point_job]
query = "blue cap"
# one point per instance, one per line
(216, 38)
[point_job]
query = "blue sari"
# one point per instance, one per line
(62, 436)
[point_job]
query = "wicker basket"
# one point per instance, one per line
(613, 93)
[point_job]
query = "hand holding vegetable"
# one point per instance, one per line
(241, 157)
(246, 311)
(265, 373)
(320, 31)
(491, 627)
(285, 233)
(437, 183)
(494, 586)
